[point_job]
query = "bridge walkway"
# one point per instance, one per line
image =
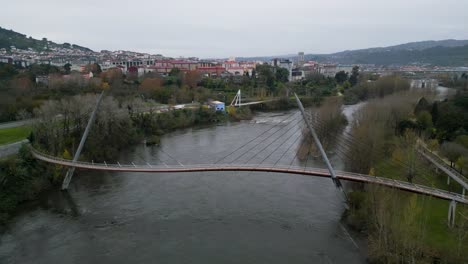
(149, 168)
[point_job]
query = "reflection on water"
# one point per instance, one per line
(215, 217)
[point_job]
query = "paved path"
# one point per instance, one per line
(16, 123)
(10, 149)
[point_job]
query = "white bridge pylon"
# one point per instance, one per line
(237, 101)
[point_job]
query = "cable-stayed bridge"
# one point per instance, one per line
(275, 149)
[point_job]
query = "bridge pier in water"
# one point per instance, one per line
(69, 175)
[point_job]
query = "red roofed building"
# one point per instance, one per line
(213, 71)
(165, 66)
(238, 71)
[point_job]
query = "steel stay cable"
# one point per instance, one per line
(295, 131)
(294, 142)
(259, 135)
(266, 138)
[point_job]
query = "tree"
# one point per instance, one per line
(341, 77)
(409, 146)
(149, 86)
(347, 85)
(94, 68)
(266, 75)
(112, 76)
(282, 74)
(67, 68)
(424, 121)
(175, 72)
(433, 144)
(462, 140)
(191, 78)
(461, 163)
(450, 121)
(423, 105)
(353, 80)
(453, 151)
(254, 73)
(7, 71)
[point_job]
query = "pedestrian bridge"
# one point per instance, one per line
(306, 171)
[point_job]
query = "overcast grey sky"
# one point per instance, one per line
(219, 28)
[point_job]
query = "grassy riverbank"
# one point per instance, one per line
(15, 134)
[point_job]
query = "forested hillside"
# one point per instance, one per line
(10, 38)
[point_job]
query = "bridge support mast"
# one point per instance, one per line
(237, 101)
(319, 146)
(451, 214)
(71, 170)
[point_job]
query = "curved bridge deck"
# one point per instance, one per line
(349, 176)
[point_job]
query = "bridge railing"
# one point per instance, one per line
(376, 179)
(168, 166)
(294, 169)
(457, 176)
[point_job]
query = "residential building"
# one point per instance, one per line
(284, 63)
(297, 75)
(300, 59)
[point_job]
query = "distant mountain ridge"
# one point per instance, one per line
(420, 45)
(10, 38)
(449, 52)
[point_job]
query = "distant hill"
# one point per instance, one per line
(10, 38)
(448, 52)
(444, 53)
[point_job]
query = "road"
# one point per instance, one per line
(16, 123)
(10, 149)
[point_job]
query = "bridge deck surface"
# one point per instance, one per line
(415, 188)
(439, 163)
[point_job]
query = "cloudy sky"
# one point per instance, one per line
(220, 28)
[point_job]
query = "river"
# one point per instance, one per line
(215, 217)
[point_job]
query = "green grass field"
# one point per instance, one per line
(438, 236)
(10, 135)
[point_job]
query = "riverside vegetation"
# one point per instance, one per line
(403, 227)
